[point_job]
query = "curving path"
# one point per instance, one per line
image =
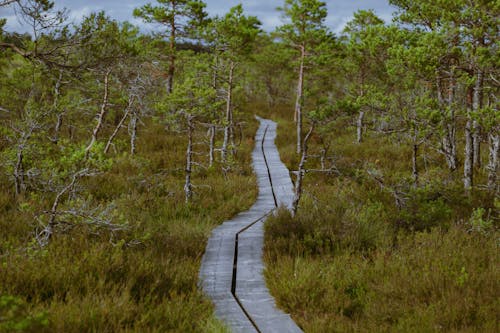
(231, 270)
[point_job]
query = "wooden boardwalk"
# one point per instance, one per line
(232, 269)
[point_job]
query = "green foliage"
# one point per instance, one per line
(353, 260)
(306, 20)
(425, 208)
(480, 221)
(105, 40)
(14, 316)
(430, 280)
(370, 249)
(170, 13)
(233, 35)
(145, 277)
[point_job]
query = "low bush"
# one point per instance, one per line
(369, 252)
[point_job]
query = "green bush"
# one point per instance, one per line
(16, 317)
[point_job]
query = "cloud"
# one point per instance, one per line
(77, 14)
(340, 11)
(13, 23)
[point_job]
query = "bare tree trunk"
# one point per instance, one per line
(300, 98)
(133, 133)
(19, 170)
(215, 74)
(477, 103)
(44, 236)
(324, 150)
(301, 172)
(188, 188)
(57, 127)
(19, 166)
(171, 65)
(211, 154)
(57, 93)
(360, 124)
(469, 148)
(414, 164)
(120, 124)
(448, 141)
(100, 117)
(229, 113)
(493, 161)
(476, 137)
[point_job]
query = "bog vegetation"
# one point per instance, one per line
(120, 151)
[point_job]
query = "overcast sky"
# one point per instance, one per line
(339, 11)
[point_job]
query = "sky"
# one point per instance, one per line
(339, 11)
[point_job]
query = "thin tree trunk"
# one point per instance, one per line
(57, 93)
(133, 133)
(120, 124)
(229, 113)
(415, 165)
(19, 183)
(188, 188)
(448, 141)
(171, 66)
(57, 127)
(323, 158)
(469, 147)
(360, 124)
(44, 237)
(300, 98)
(215, 74)
(102, 113)
(477, 104)
(211, 152)
(493, 161)
(301, 172)
(19, 170)
(476, 137)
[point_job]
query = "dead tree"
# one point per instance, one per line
(300, 97)
(211, 151)
(448, 141)
(24, 136)
(477, 104)
(66, 212)
(301, 171)
(469, 146)
(101, 115)
(132, 130)
(55, 107)
(43, 237)
(120, 124)
(188, 187)
(228, 128)
(493, 160)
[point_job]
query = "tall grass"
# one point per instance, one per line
(142, 279)
(352, 260)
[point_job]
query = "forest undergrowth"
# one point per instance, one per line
(121, 148)
(140, 279)
(351, 260)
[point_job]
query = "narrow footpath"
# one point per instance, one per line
(232, 269)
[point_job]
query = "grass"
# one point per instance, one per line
(352, 261)
(143, 279)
